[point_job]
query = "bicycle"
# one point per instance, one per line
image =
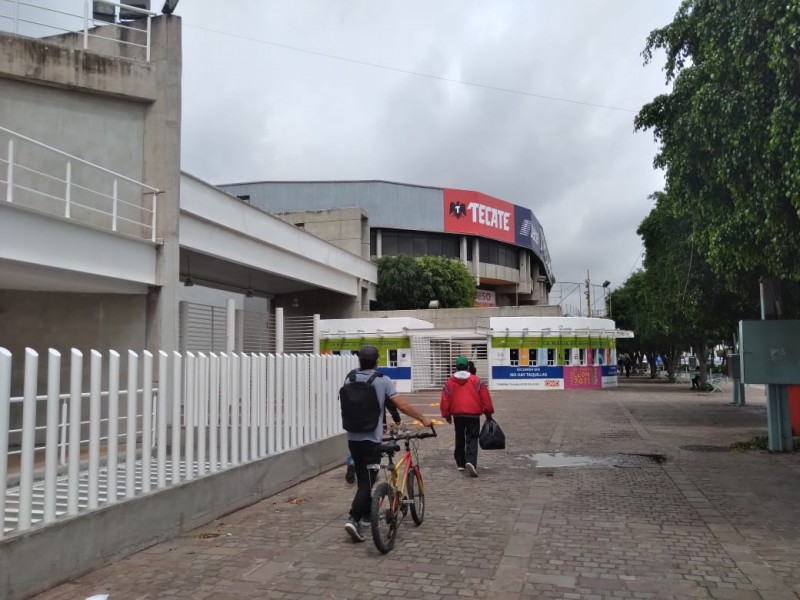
(401, 489)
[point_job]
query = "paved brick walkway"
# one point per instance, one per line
(701, 524)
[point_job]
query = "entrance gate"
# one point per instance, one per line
(433, 359)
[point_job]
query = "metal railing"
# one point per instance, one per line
(37, 20)
(42, 178)
(224, 410)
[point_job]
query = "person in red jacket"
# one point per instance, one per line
(464, 399)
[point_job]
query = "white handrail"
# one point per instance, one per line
(84, 23)
(72, 157)
(21, 189)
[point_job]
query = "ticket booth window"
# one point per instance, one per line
(551, 357)
(514, 356)
(533, 357)
(567, 356)
(392, 358)
(582, 356)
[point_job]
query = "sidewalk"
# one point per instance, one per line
(657, 509)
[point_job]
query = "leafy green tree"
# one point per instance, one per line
(408, 282)
(693, 305)
(729, 133)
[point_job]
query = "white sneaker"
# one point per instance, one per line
(459, 468)
(473, 472)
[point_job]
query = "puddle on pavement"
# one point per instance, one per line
(559, 459)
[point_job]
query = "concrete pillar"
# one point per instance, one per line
(316, 334)
(379, 243)
(463, 249)
(161, 168)
(476, 260)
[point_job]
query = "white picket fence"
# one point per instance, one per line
(229, 409)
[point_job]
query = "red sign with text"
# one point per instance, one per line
(583, 378)
(478, 214)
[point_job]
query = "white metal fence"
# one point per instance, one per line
(104, 26)
(258, 331)
(210, 412)
(42, 178)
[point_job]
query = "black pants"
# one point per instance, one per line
(467, 430)
(363, 453)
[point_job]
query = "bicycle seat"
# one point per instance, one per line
(389, 447)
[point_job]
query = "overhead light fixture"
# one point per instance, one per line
(541, 278)
(169, 6)
(249, 292)
(295, 303)
(606, 283)
(188, 282)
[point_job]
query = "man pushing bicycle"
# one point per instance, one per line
(363, 398)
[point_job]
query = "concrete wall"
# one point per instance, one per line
(46, 556)
(345, 228)
(64, 321)
(121, 114)
(42, 320)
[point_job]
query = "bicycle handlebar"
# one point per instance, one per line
(408, 435)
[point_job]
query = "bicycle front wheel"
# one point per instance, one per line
(383, 517)
(416, 495)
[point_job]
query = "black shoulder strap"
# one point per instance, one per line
(351, 376)
(373, 376)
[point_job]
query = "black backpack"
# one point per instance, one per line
(361, 410)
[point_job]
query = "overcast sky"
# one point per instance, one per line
(268, 95)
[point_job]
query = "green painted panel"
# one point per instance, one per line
(770, 351)
(551, 342)
(384, 343)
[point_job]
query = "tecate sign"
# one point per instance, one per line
(478, 214)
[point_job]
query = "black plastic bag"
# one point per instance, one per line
(491, 436)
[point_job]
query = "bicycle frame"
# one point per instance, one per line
(398, 473)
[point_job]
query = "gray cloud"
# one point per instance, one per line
(255, 111)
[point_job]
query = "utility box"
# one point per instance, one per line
(770, 351)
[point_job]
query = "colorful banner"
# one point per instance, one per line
(582, 378)
(474, 213)
(515, 341)
(478, 214)
(527, 372)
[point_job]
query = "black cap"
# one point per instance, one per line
(368, 353)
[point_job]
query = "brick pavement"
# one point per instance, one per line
(700, 524)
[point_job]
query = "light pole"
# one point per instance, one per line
(607, 291)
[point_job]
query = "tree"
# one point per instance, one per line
(407, 282)
(729, 133)
(693, 307)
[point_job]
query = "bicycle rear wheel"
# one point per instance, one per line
(383, 517)
(416, 495)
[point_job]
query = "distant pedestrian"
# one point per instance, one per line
(464, 399)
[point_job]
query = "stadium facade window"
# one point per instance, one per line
(416, 243)
(497, 253)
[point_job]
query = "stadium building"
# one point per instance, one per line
(502, 244)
